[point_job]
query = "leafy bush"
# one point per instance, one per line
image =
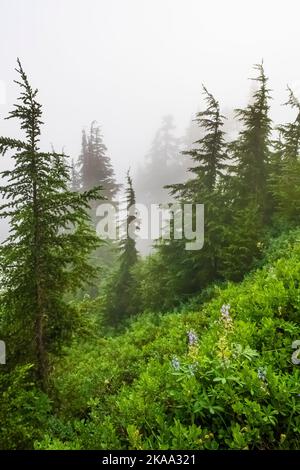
(218, 376)
(23, 412)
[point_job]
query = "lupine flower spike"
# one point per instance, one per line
(192, 338)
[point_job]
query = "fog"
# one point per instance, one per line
(128, 63)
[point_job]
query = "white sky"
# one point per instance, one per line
(126, 63)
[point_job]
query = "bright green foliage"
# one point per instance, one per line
(24, 410)
(229, 384)
(45, 255)
(245, 239)
(287, 191)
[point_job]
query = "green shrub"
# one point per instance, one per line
(233, 387)
(24, 410)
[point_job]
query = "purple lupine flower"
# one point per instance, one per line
(175, 363)
(192, 338)
(225, 312)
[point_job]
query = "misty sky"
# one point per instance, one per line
(126, 63)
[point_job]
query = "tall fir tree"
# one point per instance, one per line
(252, 148)
(209, 166)
(285, 176)
(121, 295)
(289, 142)
(45, 254)
(95, 165)
(251, 202)
(208, 153)
(95, 168)
(162, 165)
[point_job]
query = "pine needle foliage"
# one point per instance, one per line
(46, 253)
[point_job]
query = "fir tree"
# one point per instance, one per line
(95, 165)
(252, 148)
(128, 256)
(45, 254)
(162, 165)
(247, 191)
(285, 176)
(208, 154)
(209, 165)
(289, 141)
(122, 291)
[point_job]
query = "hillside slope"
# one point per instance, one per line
(222, 375)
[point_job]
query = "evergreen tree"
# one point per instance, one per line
(95, 165)
(250, 204)
(45, 254)
(95, 168)
(209, 154)
(128, 245)
(162, 165)
(252, 148)
(289, 142)
(285, 176)
(209, 165)
(121, 294)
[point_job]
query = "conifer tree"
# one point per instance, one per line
(122, 292)
(285, 175)
(95, 164)
(250, 203)
(289, 142)
(162, 165)
(208, 153)
(209, 165)
(252, 148)
(45, 254)
(128, 256)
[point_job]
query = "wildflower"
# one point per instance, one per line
(262, 374)
(192, 338)
(296, 354)
(225, 312)
(175, 363)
